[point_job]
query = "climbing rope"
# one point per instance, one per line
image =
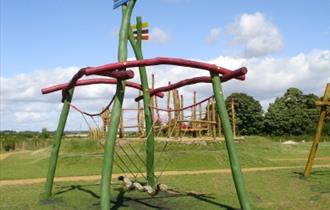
(94, 114)
(130, 159)
(126, 166)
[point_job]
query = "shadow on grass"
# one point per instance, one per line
(161, 201)
(314, 174)
(81, 188)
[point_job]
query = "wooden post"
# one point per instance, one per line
(169, 123)
(181, 113)
(324, 104)
(213, 119)
(176, 104)
(155, 100)
(178, 124)
(140, 118)
(193, 115)
(105, 120)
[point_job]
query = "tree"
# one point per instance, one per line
(45, 133)
(249, 113)
(292, 114)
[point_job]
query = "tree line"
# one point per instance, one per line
(294, 113)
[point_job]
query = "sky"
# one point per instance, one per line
(282, 43)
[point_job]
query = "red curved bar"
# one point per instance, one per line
(159, 61)
(204, 79)
(94, 81)
(124, 75)
(116, 74)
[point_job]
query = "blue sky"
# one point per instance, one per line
(46, 34)
(283, 44)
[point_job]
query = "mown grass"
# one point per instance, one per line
(83, 157)
(277, 190)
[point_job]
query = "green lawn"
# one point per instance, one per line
(278, 189)
(283, 189)
(81, 157)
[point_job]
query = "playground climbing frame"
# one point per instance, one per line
(119, 72)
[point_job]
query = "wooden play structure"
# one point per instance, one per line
(201, 122)
(324, 105)
(119, 74)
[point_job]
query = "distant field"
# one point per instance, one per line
(271, 189)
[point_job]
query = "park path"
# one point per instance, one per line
(7, 154)
(165, 173)
(297, 159)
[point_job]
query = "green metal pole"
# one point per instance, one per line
(137, 47)
(56, 145)
(234, 163)
(109, 147)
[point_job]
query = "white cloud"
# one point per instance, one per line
(159, 36)
(258, 35)
(23, 107)
(214, 35)
(28, 116)
(269, 77)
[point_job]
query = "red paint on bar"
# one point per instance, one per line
(160, 61)
(117, 74)
(91, 82)
(204, 79)
(124, 75)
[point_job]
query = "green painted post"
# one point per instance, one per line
(109, 147)
(56, 145)
(234, 163)
(137, 47)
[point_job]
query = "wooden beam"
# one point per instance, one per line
(322, 103)
(199, 121)
(316, 140)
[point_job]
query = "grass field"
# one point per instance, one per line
(269, 189)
